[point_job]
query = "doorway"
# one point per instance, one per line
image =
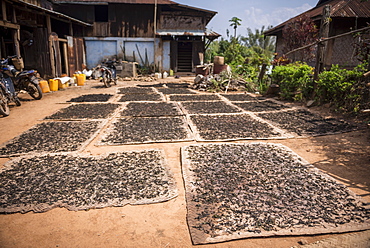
(185, 57)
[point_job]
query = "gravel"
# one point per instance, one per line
(41, 183)
(261, 106)
(243, 190)
(209, 107)
(52, 137)
(135, 90)
(144, 130)
(170, 91)
(92, 98)
(140, 97)
(85, 111)
(194, 97)
(229, 127)
(304, 122)
(151, 109)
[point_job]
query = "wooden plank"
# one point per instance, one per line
(71, 56)
(173, 55)
(7, 24)
(51, 53)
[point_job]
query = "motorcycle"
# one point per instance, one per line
(7, 94)
(24, 80)
(4, 101)
(107, 73)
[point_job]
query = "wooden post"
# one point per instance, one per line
(16, 36)
(70, 29)
(321, 46)
(3, 9)
(51, 52)
(262, 72)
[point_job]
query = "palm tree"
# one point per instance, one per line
(235, 22)
(258, 39)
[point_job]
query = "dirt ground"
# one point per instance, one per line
(346, 157)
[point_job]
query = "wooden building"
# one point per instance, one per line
(48, 41)
(159, 33)
(345, 16)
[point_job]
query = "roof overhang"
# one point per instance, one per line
(339, 8)
(52, 13)
(209, 14)
(208, 34)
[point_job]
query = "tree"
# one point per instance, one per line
(235, 22)
(258, 42)
(300, 32)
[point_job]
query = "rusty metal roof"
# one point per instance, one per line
(339, 8)
(51, 12)
(160, 2)
(206, 33)
(117, 1)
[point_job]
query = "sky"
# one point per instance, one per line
(253, 13)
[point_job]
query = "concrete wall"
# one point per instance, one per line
(141, 50)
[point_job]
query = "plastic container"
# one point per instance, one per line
(53, 84)
(165, 74)
(44, 86)
(60, 84)
(81, 79)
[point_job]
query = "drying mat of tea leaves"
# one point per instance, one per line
(240, 97)
(172, 91)
(63, 136)
(141, 97)
(148, 109)
(238, 191)
(305, 123)
(85, 111)
(232, 127)
(209, 107)
(137, 130)
(76, 182)
(177, 85)
(261, 106)
(135, 90)
(92, 98)
(194, 97)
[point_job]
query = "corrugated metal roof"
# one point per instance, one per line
(352, 8)
(118, 1)
(339, 8)
(207, 33)
(160, 2)
(54, 13)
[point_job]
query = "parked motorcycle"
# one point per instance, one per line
(107, 73)
(7, 94)
(24, 80)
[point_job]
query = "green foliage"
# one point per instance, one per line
(245, 55)
(299, 32)
(295, 80)
(235, 22)
(259, 42)
(342, 87)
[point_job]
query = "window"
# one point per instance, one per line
(101, 13)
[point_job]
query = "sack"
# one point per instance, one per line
(18, 63)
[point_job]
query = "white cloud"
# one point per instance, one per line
(256, 18)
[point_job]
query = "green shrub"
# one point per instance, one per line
(341, 87)
(294, 80)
